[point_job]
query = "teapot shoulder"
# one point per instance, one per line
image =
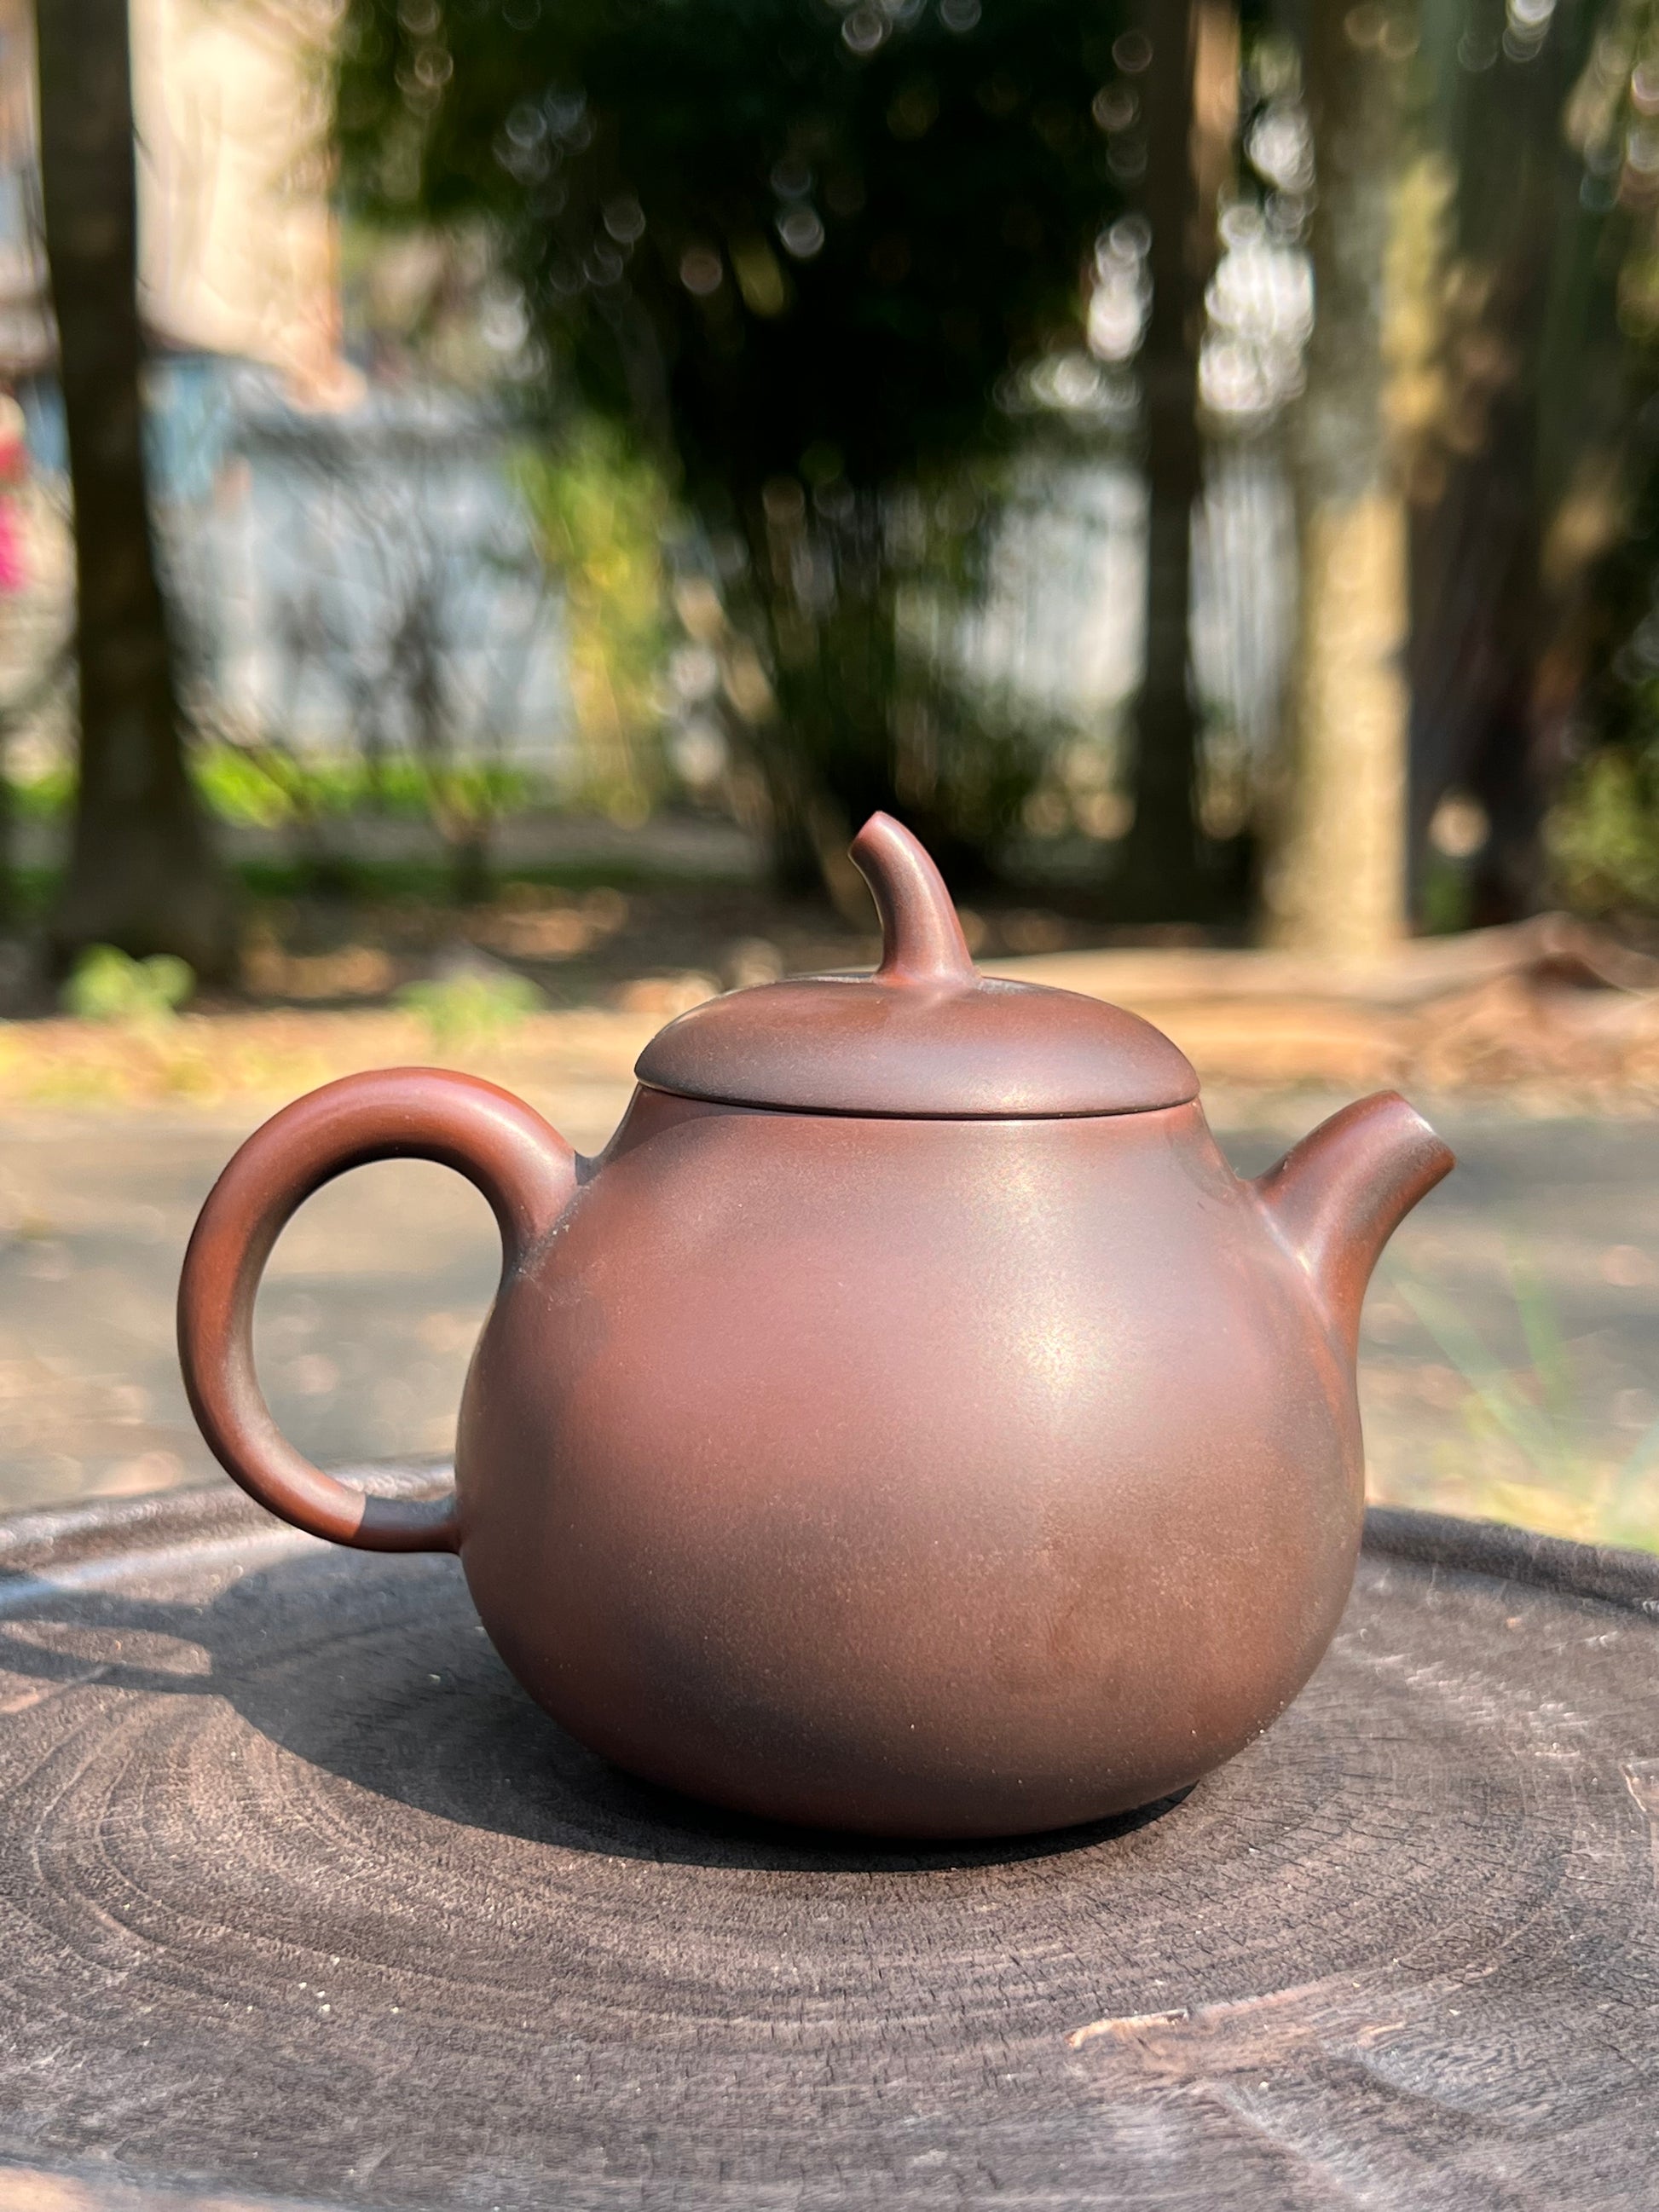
(1144, 1198)
(664, 1132)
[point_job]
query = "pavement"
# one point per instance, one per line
(375, 1292)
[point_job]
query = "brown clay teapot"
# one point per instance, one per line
(908, 1422)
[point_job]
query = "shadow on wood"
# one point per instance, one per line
(298, 1895)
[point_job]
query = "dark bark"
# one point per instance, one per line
(827, 755)
(1479, 618)
(1162, 874)
(141, 871)
(1506, 639)
(838, 752)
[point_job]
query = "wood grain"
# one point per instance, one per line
(300, 1898)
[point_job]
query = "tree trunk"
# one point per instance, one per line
(1509, 618)
(142, 873)
(1161, 874)
(1337, 883)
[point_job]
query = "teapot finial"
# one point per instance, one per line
(921, 939)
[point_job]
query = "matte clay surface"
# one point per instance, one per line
(925, 1477)
(301, 1898)
(948, 1463)
(925, 1035)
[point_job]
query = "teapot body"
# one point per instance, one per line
(926, 1477)
(909, 1423)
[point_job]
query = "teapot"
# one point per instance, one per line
(908, 1423)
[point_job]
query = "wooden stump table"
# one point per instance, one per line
(302, 1899)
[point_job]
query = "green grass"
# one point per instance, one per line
(430, 883)
(1527, 1447)
(425, 883)
(466, 1011)
(107, 985)
(268, 790)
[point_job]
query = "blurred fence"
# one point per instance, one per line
(366, 582)
(362, 583)
(1058, 639)
(369, 581)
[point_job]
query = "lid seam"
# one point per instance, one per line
(918, 1114)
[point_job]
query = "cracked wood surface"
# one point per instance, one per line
(301, 1899)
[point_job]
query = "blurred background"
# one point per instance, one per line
(493, 492)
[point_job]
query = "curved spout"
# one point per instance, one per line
(1337, 1197)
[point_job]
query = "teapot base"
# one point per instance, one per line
(873, 1823)
(851, 1790)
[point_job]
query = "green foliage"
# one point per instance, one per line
(1444, 898)
(603, 509)
(46, 796)
(471, 1010)
(798, 251)
(239, 789)
(109, 986)
(1604, 835)
(783, 238)
(260, 787)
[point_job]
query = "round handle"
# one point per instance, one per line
(524, 1168)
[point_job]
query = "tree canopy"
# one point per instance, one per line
(806, 253)
(781, 236)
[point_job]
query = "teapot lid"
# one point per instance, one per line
(926, 1034)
